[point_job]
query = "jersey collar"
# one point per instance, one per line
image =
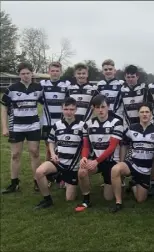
(101, 123)
(144, 131)
(26, 87)
(81, 85)
(69, 125)
(109, 81)
(133, 87)
(55, 83)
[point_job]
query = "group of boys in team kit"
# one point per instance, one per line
(106, 128)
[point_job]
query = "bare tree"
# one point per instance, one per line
(34, 45)
(66, 52)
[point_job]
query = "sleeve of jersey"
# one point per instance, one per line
(67, 92)
(99, 86)
(52, 137)
(118, 130)
(41, 96)
(6, 100)
(149, 98)
(126, 137)
(108, 152)
(68, 83)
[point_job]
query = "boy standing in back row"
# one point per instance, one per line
(21, 100)
(82, 91)
(110, 86)
(131, 95)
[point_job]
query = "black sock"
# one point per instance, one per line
(118, 205)
(15, 181)
(86, 198)
(48, 198)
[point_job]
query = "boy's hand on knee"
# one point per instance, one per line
(92, 164)
(55, 159)
(83, 162)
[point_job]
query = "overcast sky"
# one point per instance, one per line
(123, 31)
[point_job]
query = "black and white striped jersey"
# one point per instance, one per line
(83, 94)
(142, 143)
(54, 94)
(68, 141)
(150, 95)
(111, 90)
(22, 105)
(99, 134)
(130, 98)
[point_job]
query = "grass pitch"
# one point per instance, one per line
(60, 228)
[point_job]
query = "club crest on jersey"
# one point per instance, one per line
(76, 132)
(106, 94)
(19, 94)
(114, 87)
(132, 101)
(55, 96)
(80, 98)
(135, 134)
(67, 138)
(63, 89)
(107, 130)
(152, 136)
(19, 104)
(35, 93)
(99, 140)
(138, 92)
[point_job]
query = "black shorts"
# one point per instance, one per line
(45, 132)
(70, 177)
(105, 168)
(16, 137)
(139, 178)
